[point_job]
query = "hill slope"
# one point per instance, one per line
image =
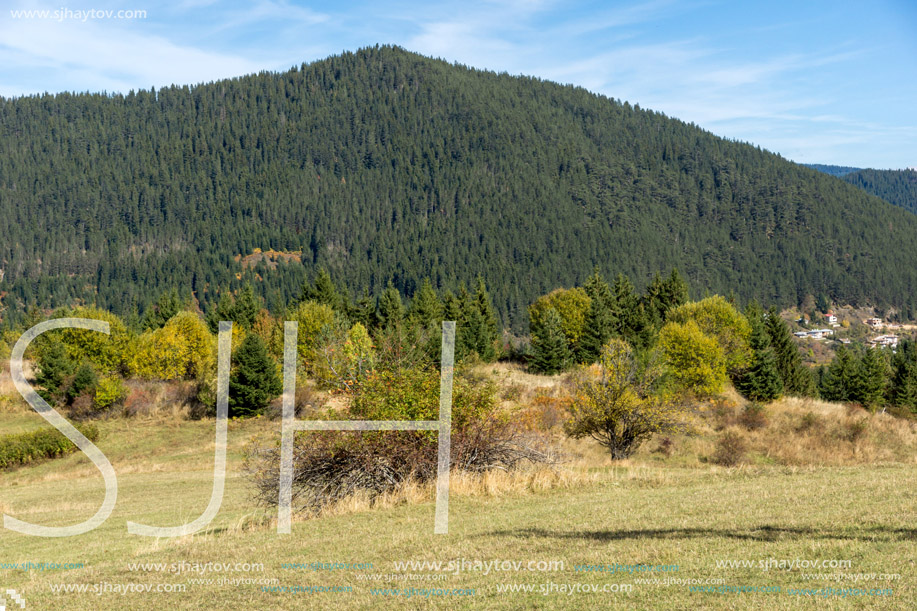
(383, 164)
(897, 187)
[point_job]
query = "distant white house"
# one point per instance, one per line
(874, 322)
(814, 333)
(885, 340)
(832, 319)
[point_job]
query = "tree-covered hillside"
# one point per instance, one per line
(898, 187)
(384, 165)
(833, 170)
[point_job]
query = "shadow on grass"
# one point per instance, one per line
(761, 533)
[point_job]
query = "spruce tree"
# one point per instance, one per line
(167, 306)
(364, 310)
(85, 379)
(390, 310)
(839, 380)
(54, 366)
(600, 321)
(761, 382)
(323, 290)
(246, 308)
(797, 379)
(903, 390)
(483, 331)
(426, 308)
(871, 379)
(254, 381)
(549, 345)
(224, 310)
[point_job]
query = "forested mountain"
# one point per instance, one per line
(898, 187)
(833, 170)
(385, 165)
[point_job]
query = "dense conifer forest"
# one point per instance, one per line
(898, 187)
(383, 166)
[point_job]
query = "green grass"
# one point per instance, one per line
(643, 513)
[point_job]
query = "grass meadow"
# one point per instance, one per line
(811, 485)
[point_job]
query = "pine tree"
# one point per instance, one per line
(761, 382)
(85, 379)
(483, 333)
(600, 321)
(549, 345)
(254, 381)
(167, 306)
(54, 366)
(390, 310)
(364, 310)
(797, 379)
(426, 308)
(246, 308)
(224, 310)
(839, 381)
(323, 290)
(904, 381)
(871, 379)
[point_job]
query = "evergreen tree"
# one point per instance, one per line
(85, 379)
(761, 382)
(254, 381)
(323, 290)
(871, 379)
(426, 308)
(224, 310)
(549, 345)
(796, 377)
(390, 309)
(903, 390)
(54, 366)
(600, 321)
(364, 310)
(662, 296)
(167, 306)
(840, 379)
(629, 314)
(246, 308)
(482, 332)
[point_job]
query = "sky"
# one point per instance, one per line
(817, 81)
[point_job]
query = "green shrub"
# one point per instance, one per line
(23, 448)
(85, 380)
(109, 391)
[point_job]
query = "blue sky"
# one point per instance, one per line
(818, 82)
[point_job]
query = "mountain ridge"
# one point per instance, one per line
(384, 165)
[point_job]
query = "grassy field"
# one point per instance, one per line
(676, 511)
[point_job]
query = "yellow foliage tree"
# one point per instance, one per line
(312, 317)
(695, 359)
(571, 304)
(618, 401)
(719, 319)
(106, 352)
(183, 349)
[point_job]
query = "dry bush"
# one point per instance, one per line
(330, 467)
(308, 403)
(666, 447)
(731, 449)
(723, 413)
(163, 400)
(753, 417)
(545, 413)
